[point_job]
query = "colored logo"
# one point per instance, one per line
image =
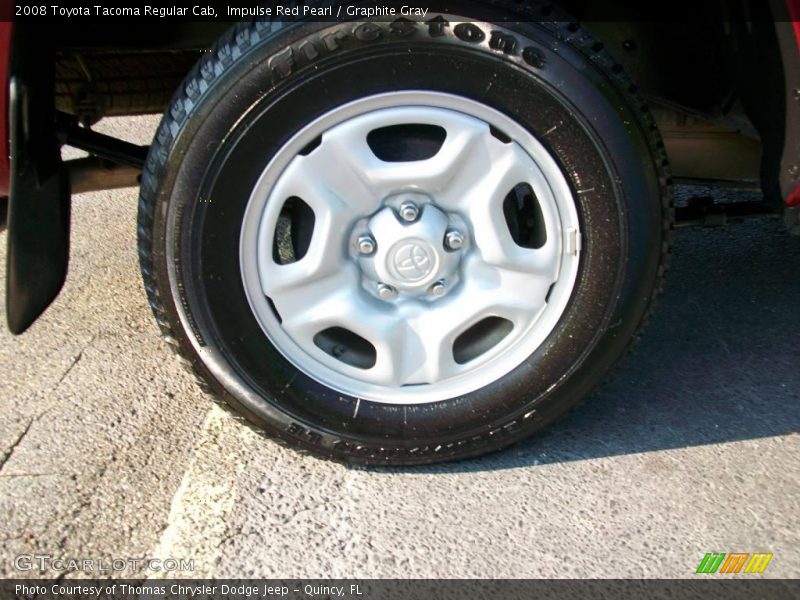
(734, 562)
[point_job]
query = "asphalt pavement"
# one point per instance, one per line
(109, 450)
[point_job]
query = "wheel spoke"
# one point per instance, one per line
(338, 166)
(315, 300)
(397, 349)
(489, 291)
(484, 205)
(335, 301)
(397, 352)
(327, 251)
(492, 290)
(327, 193)
(350, 160)
(436, 331)
(480, 171)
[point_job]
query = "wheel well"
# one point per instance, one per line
(695, 63)
(716, 88)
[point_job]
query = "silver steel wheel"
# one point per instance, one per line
(410, 281)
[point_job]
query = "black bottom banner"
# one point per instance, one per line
(399, 589)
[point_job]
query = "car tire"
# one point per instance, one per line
(547, 89)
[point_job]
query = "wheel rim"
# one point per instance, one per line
(410, 281)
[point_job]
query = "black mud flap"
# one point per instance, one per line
(39, 199)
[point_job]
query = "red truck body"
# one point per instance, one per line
(5, 57)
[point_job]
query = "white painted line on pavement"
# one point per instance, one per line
(200, 510)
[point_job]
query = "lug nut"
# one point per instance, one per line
(438, 288)
(409, 211)
(366, 244)
(386, 292)
(453, 239)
